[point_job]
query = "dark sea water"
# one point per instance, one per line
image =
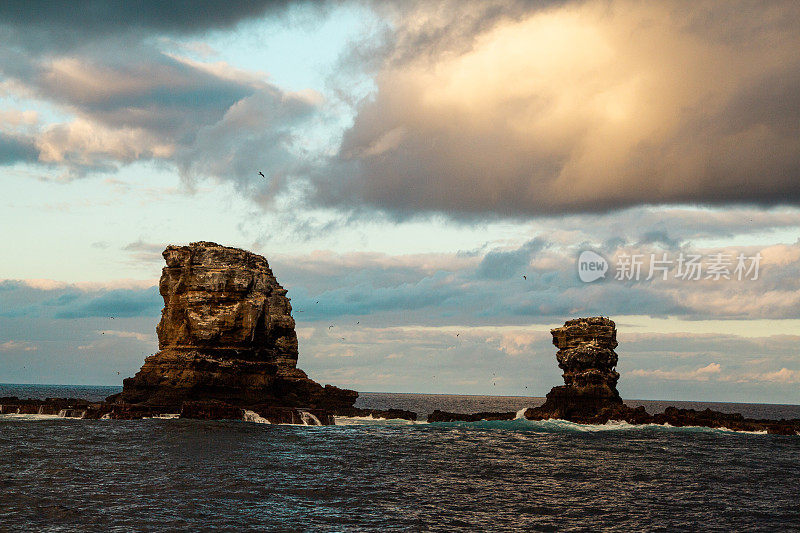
(188, 475)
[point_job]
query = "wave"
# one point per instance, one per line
(164, 416)
(518, 424)
(309, 419)
(252, 416)
(372, 421)
(565, 426)
(36, 417)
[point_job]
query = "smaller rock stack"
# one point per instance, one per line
(589, 394)
(587, 357)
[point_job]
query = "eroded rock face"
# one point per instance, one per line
(226, 333)
(586, 352)
(587, 357)
(225, 299)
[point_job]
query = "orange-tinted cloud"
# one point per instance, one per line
(579, 106)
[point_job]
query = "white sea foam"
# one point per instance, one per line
(252, 416)
(372, 421)
(309, 419)
(557, 425)
(616, 425)
(164, 416)
(34, 417)
(521, 414)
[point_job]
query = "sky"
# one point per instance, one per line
(433, 172)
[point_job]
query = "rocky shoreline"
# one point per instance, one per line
(216, 410)
(202, 410)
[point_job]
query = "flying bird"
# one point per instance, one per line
(261, 174)
(524, 276)
(329, 327)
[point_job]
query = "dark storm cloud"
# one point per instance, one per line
(43, 24)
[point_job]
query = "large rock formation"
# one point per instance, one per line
(226, 334)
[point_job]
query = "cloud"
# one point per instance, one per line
(489, 287)
(17, 346)
(459, 332)
(116, 303)
(699, 374)
(15, 148)
(145, 251)
(128, 97)
(505, 264)
(520, 360)
(574, 107)
(256, 134)
(784, 375)
(670, 226)
(143, 337)
(44, 298)
(41, 25)
(481, 109)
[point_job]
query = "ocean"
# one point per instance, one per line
(61, 474)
